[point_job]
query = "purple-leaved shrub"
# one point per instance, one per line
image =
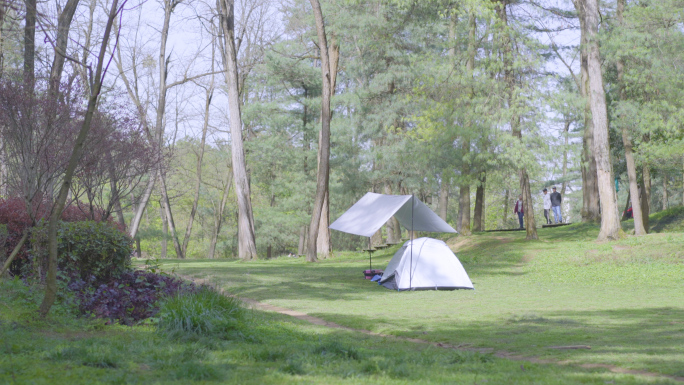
(128, 298)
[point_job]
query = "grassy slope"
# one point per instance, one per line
(625, 299)
(276, 349)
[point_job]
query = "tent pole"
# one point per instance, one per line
(411, 239)
(370, 254)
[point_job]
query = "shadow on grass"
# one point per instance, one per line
(648, 339)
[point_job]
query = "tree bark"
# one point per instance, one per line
(218, 217)
(3, 13)
(165, 231)
(14, 253)
(301, 249)
(324, 143)
(393, 226)
(665, 198)
(443, 197)
(324, 247)
(610, 224)
(140, 207)
(479, 218)
(96, 86)
(565, 157)
(507, 197)
(590, 195)
(624, 212)
(200, 157)
(30, 42)
(646, 196)
(627, 141)
(246, 235)
(169, 217)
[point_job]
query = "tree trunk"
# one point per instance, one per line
(323, 173)
(246, 235)
(200, 157)
(610, 224)
(646, 196)
(376, 239)
(96, 81)
(590, 195)
(509, 79)
(169, 218)
(4, 174)
(665, 204)
(218, 218)
(30, 42)
(443, 197)
(507, 197)
(627, 141)
(301, 249)
(565, 157)
(324, 247)
(464, 188)
(3, 13)
(165, 231)
(393, 226)
(141, 207)
(624, 212)
(479, 219)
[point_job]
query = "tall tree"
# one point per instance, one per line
(246, 236)
(510, 81)
(610, 224)
(323, 242)
(590, 195)
(323, 174)
(95, 87)
(627, 140)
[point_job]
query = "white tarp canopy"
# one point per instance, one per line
(372, 211)
(424, 264)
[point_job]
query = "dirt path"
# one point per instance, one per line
(465, 347)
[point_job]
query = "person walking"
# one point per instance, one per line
(556, 200)
(547, 206)
(519, 209)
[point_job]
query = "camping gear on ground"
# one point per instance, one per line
(373, 210)
(368, 274)
(431, 266)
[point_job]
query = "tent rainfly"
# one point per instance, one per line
(372, 211)
(432, 267)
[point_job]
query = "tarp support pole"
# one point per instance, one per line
(411, 240)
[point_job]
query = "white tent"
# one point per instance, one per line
(430, 266)
(372, 211)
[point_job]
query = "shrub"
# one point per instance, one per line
(85, 249)
(14, 215)
(203, 312)
(93, 249)
(131, 297)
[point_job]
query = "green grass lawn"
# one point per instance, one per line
(271, 349)
(624, 299)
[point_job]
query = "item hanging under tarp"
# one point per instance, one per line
(372, 211)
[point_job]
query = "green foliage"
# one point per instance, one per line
(85, 249)
(202, 313)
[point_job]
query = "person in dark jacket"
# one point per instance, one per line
(556, 201)
(520, 210)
